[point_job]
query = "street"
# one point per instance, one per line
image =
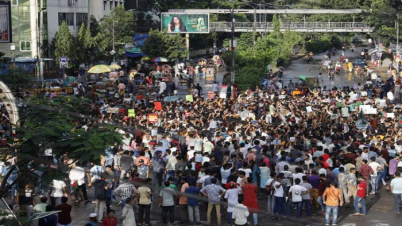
(380, 207)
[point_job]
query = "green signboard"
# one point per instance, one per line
(185, 22)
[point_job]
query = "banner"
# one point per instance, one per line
(185, 22)
(5, 22)
(153, 118)
(131, 113)
(158, 106)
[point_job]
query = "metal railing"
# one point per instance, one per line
(249, 26)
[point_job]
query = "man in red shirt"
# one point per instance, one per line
(366, 171)
(110, 219)
(360, 197)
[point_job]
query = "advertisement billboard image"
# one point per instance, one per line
(5, 22)
(185, 22)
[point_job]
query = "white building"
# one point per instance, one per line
(76, 12)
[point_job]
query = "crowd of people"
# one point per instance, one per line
(303, 154)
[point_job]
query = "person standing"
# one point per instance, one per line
(192, 203)
(232, 196)
(100, 186)
(332, 198)
(58, 189)
(351, 185)
(77, 178)
(250, 192)
(159, 166)
(127, 215)
(166, 201)
(361, 197)
(183, 201)
(377, 172)
(64, 217)
(124, 191)
(307, 199)
(144, 202)
(295, 194)
(279, 204)
(396, 189)
(366, 171)
(213, 192)
(240, 213)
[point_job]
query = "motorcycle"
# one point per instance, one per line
(353, 48)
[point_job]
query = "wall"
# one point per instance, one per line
(54, 7)
(21, 31)
(100, 8)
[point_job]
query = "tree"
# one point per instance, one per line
(85, 43)
(64, 43)
(56, 125)
(160, 44)
(122, 23)
(94, 26)
(16, 77)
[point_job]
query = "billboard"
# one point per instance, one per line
(5, 22)
(185, 22)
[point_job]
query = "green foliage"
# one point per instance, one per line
(64, 43)
(56, 124)
(123, 24)
(4, 59)
(16, 77)
(277, 27)
(249, 77)
(94, 26)
(85, 43)
(322, 43)
(160, 44)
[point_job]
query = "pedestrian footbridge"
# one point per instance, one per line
(293, 26)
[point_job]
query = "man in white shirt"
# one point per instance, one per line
(77, 178)
(396, 189)
(279, 195)
(58, 190)
(374, 182)
(208, 146)
(240, 213)
(295, 194)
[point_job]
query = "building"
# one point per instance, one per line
(76, 12)
(22, 32)
(28, 33)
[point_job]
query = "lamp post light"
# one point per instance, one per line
(12, 48)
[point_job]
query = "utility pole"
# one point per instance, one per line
(397, 34)
(40, 52)
(232, 43)
(397, 40)
(254, 29)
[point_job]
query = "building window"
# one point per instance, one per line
(14, 2)
(116, 4)
(81, 18)
(25, 46)
(68, 17)
(104, 5)
(24, 12)
(111, 5)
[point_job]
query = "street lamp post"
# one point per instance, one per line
(12, 48)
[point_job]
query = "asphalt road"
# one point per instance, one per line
(380, 207)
